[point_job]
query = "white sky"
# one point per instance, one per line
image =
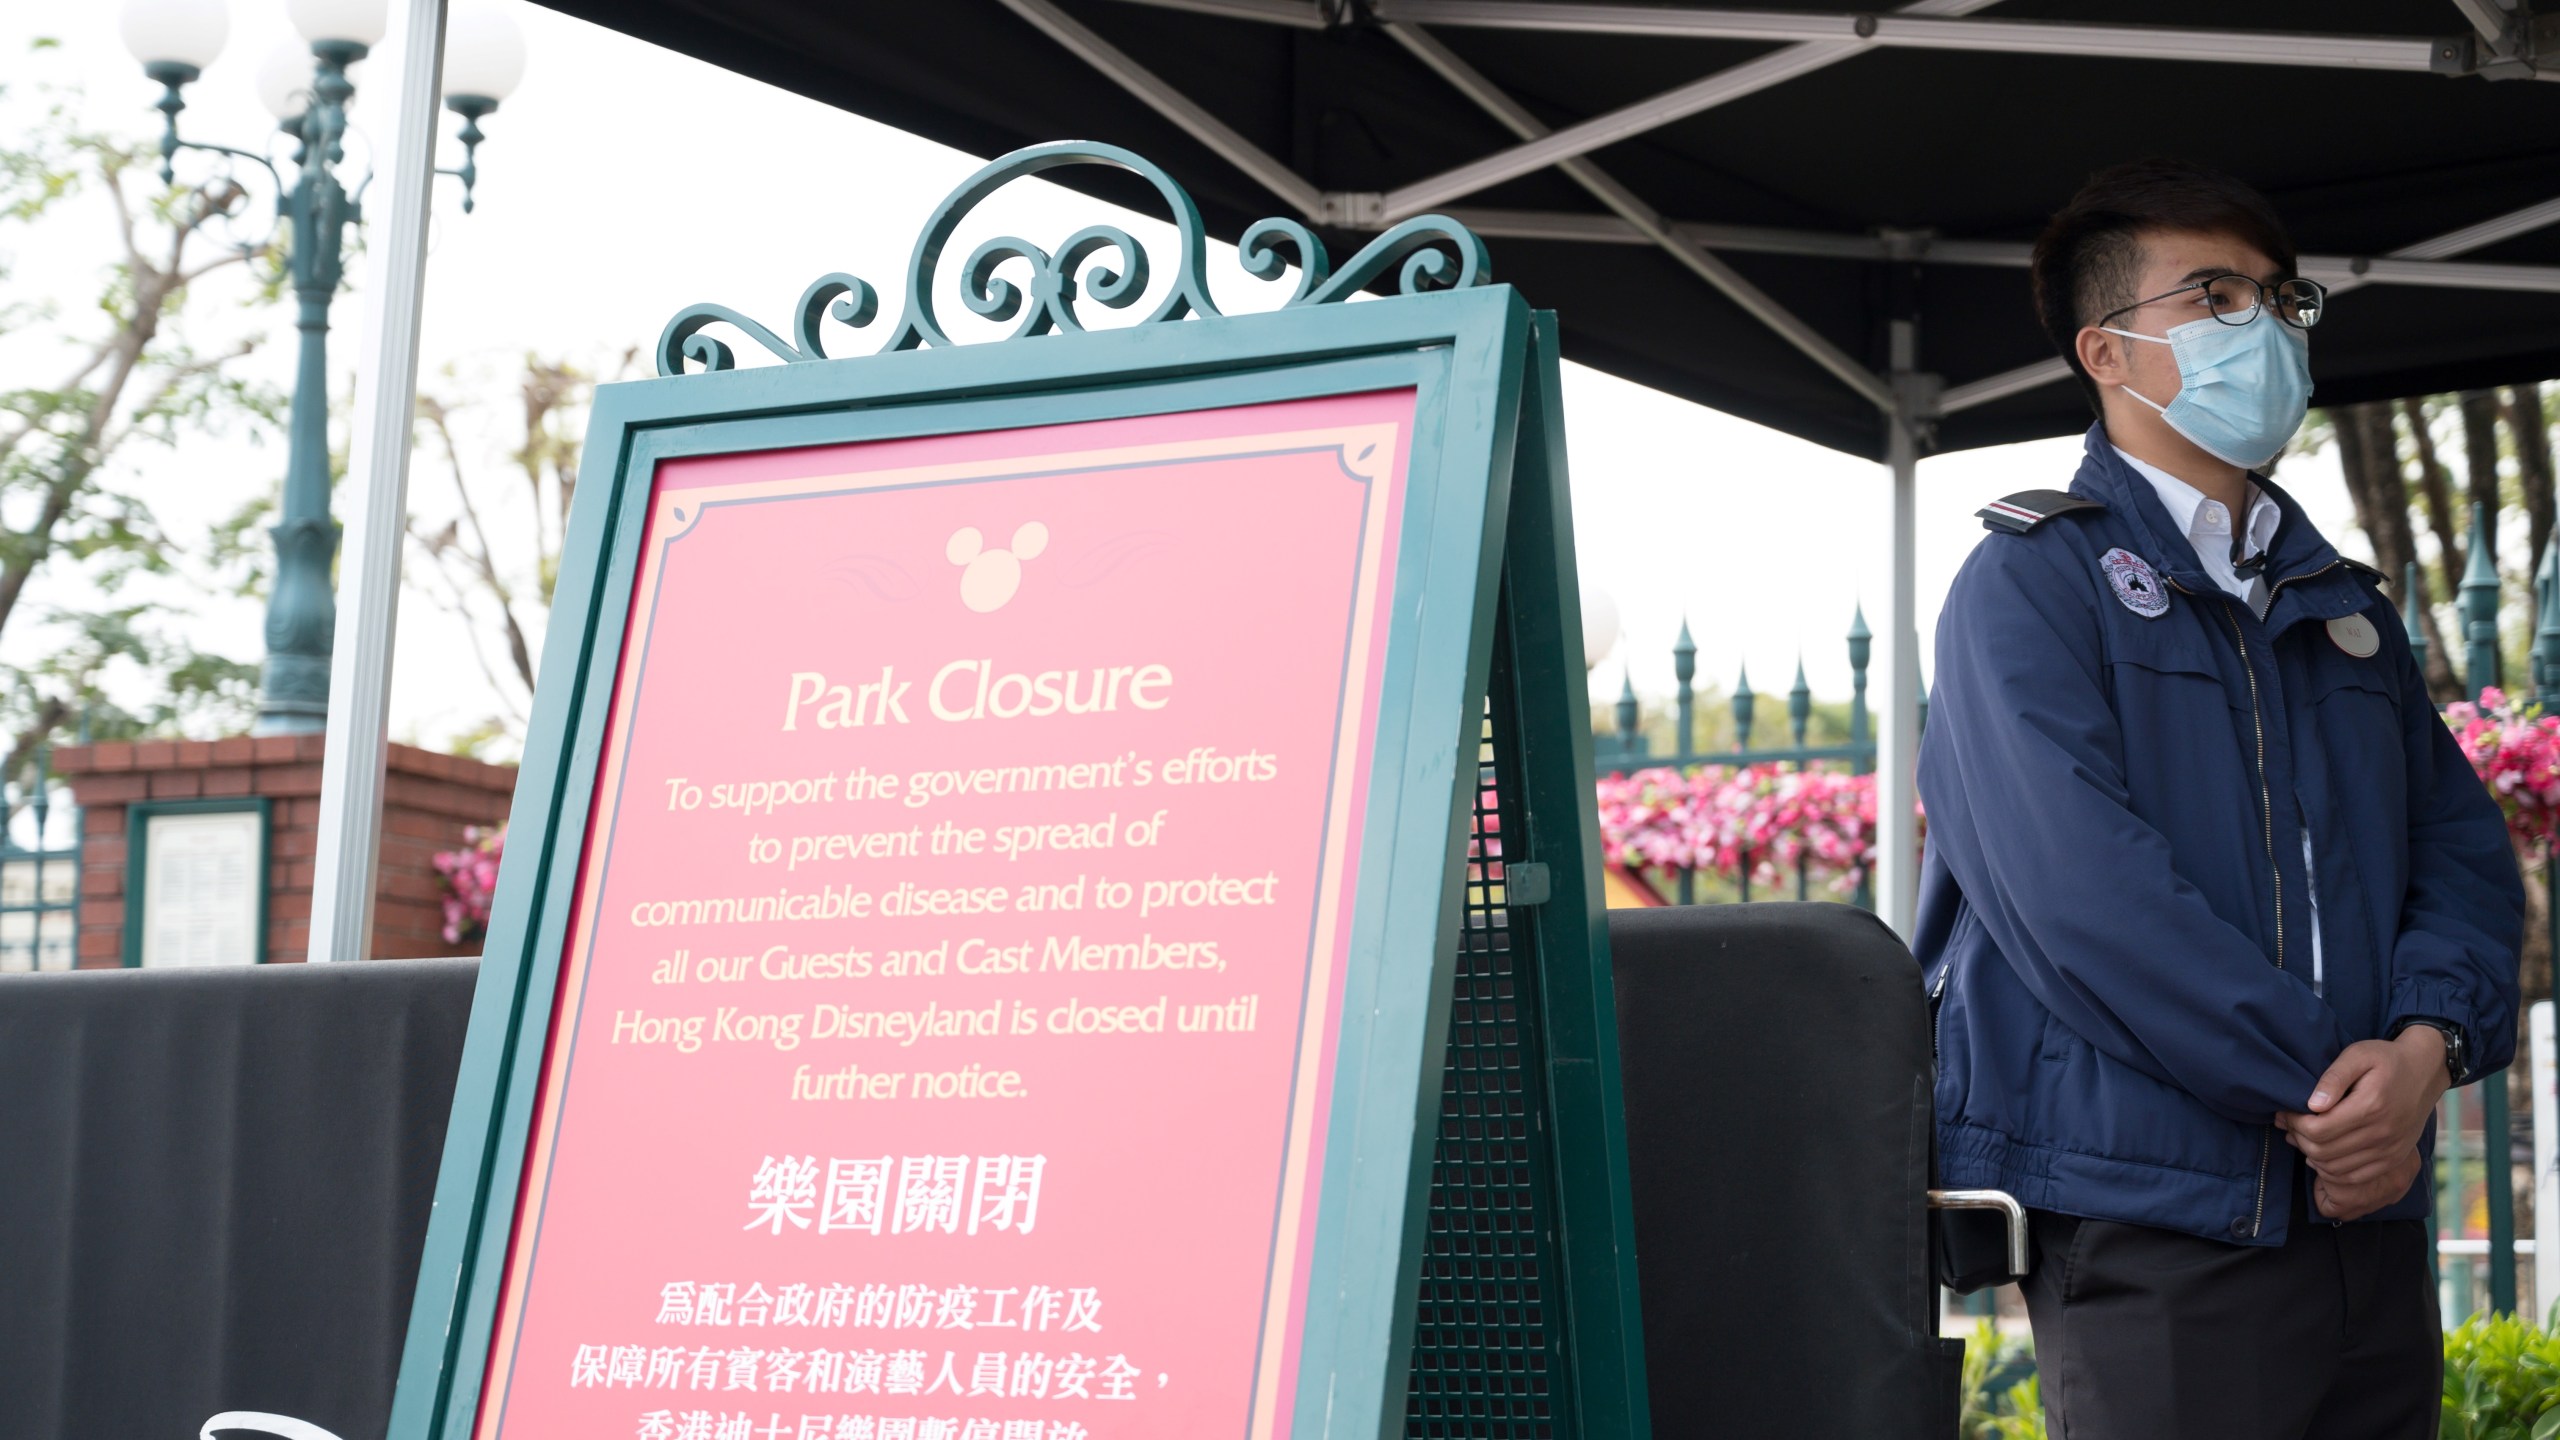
(623, 182)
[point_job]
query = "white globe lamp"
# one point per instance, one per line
(483, 60)
(340, 22)
(483, 56)
(175, 35)
(284, 81)
(1599, 625)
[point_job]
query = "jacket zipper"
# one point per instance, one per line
(2305, 575)
(2267, 823)
(1937, 1005)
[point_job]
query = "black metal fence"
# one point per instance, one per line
(1627, 750)
(2494, 1156)
(40, 878)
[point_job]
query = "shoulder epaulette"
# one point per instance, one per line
(2017, 514)
(2367, 571)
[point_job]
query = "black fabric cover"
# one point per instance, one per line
(1777, 1071)
(1971, 145)
(213, 1189)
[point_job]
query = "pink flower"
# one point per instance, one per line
(1761, 819)
(2515, 749)
(470, 882)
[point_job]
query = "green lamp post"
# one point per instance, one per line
(309, 93)
(2479, 599)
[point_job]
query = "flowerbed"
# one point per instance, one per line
(2516, 750)
(1757, 821)
(470, 882)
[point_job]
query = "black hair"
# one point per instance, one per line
(2089, 258)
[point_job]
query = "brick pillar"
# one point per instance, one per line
(428, 804)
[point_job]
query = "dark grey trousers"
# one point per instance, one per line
(2145, 1334)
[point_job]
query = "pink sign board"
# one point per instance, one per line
(945, 1025)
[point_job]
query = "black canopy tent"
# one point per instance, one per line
(1841, 263)
(1815, 220)
(1904, 184)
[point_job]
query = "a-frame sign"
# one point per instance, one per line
(1054, 891)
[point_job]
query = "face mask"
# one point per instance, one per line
(2242, 388)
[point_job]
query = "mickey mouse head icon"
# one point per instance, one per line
(988, 578)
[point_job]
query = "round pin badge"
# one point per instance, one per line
(2135, 583)
(2355, 635)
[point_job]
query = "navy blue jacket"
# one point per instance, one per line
(2114, 919)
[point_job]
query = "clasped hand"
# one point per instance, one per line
(2360, 1132)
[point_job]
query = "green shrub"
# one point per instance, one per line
(2000, 1401)
(2501, 1380)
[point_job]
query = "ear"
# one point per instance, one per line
(965, 544)
(2101, 354)
(1030, 540)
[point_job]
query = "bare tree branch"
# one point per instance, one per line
(227, 257)
(171, 379)
(2480, 447)
(80, 459)
(455, 602)
(2532, 436)
(478, 554)
(114, 176)
(48, 717)
(32, 419)
(2437, 487)
(2369, 456)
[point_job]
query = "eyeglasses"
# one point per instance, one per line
(2236, 300)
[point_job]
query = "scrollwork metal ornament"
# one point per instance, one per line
(1100, 263)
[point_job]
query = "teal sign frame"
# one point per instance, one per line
(137, 874)
(1485, 619)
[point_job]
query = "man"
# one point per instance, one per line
(2213, 909)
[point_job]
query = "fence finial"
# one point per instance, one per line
(41, 802)
(1859, 642)
(1684, 667)
(2480, 606)
(2546, 628)
(2413, 607)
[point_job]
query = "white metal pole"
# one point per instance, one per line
(1774, 67)
(351, 775)
(1898, 737)
(1639, 216)
(2546, 1160)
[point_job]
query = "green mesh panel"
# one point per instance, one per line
(1489, 1339)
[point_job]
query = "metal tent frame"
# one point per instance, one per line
(2499, 40)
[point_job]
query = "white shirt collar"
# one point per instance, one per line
(2204, 522)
